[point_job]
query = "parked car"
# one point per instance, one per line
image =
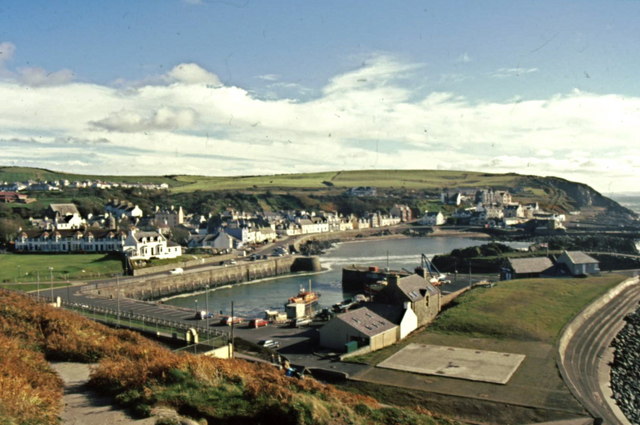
(258, 323)
(202, 315)
(228, 320)
(268, 343)
(297, 323)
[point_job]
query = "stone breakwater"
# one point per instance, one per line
(625, 369)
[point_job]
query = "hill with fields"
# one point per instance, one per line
(325, 190)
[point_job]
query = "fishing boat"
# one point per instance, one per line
(304, 304)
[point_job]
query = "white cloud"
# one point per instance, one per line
(161, 119)
(268, 77)
(370, 117)
(7, 50)
(464, 58)
(40, 77)
(513, 72)
(191, 73)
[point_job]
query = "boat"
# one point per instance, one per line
(304, 304)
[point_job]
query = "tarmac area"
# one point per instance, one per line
(461, 363)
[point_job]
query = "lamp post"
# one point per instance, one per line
(19, 273)
(38, 286)
(118, 298)
(196, 300)
(51, 281)
(206, 296)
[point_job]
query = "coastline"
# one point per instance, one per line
(394, 232)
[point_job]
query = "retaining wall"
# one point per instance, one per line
(160, 286)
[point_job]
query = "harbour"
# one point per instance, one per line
(253, 298)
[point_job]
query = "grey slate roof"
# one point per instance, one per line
(64, 209)
(392, 313)
(415, 287)
(366, 321)
(530, 265)
(579, 257)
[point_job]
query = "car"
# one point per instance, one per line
(228, 320)
(258, 323)
(202, 315)
(297, 323)
(268, 343)
(178, 270)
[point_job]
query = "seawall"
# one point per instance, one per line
(165, 285)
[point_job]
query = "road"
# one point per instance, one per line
(587, 348)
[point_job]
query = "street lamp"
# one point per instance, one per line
(206, 295)
(51, 281)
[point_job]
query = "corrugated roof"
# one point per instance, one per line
(366, 321)
(530, 265)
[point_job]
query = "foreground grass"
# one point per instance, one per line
(140, 375)
(26, 268)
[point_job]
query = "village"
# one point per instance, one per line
(391, 304)
(168, 231)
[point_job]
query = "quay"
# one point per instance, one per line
(164, 284)
(126, 301)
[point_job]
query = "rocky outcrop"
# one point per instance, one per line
(582, 195)
(625, 370)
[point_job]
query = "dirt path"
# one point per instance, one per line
(83, 406)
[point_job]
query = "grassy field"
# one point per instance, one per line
(409, 179)
(25, 268)
(27, 287)
(12, 174)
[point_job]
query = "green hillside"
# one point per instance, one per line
(409, 179)
(325, 189)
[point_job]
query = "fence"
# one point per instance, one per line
(149, 324)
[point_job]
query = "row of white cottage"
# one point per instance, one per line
(135, 244)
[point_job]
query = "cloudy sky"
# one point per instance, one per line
(236, 87)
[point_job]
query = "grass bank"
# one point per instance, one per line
(27, 268)
(140, 374)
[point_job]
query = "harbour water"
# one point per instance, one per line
(251, 299)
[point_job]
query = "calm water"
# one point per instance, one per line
(250, 300)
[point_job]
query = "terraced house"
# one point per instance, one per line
(76, 241)
(137, 245)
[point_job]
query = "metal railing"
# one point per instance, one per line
(145, 323)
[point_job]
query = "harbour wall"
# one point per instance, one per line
(165, 285)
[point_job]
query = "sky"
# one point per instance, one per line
(242, 87)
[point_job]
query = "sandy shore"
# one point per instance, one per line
(395, 233)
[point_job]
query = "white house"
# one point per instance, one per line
(432, 219)
(121, 209)
(146, 245)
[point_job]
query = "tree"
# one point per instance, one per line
(180, 235)
(9, 229)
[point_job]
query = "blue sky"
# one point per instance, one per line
(244, 87)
